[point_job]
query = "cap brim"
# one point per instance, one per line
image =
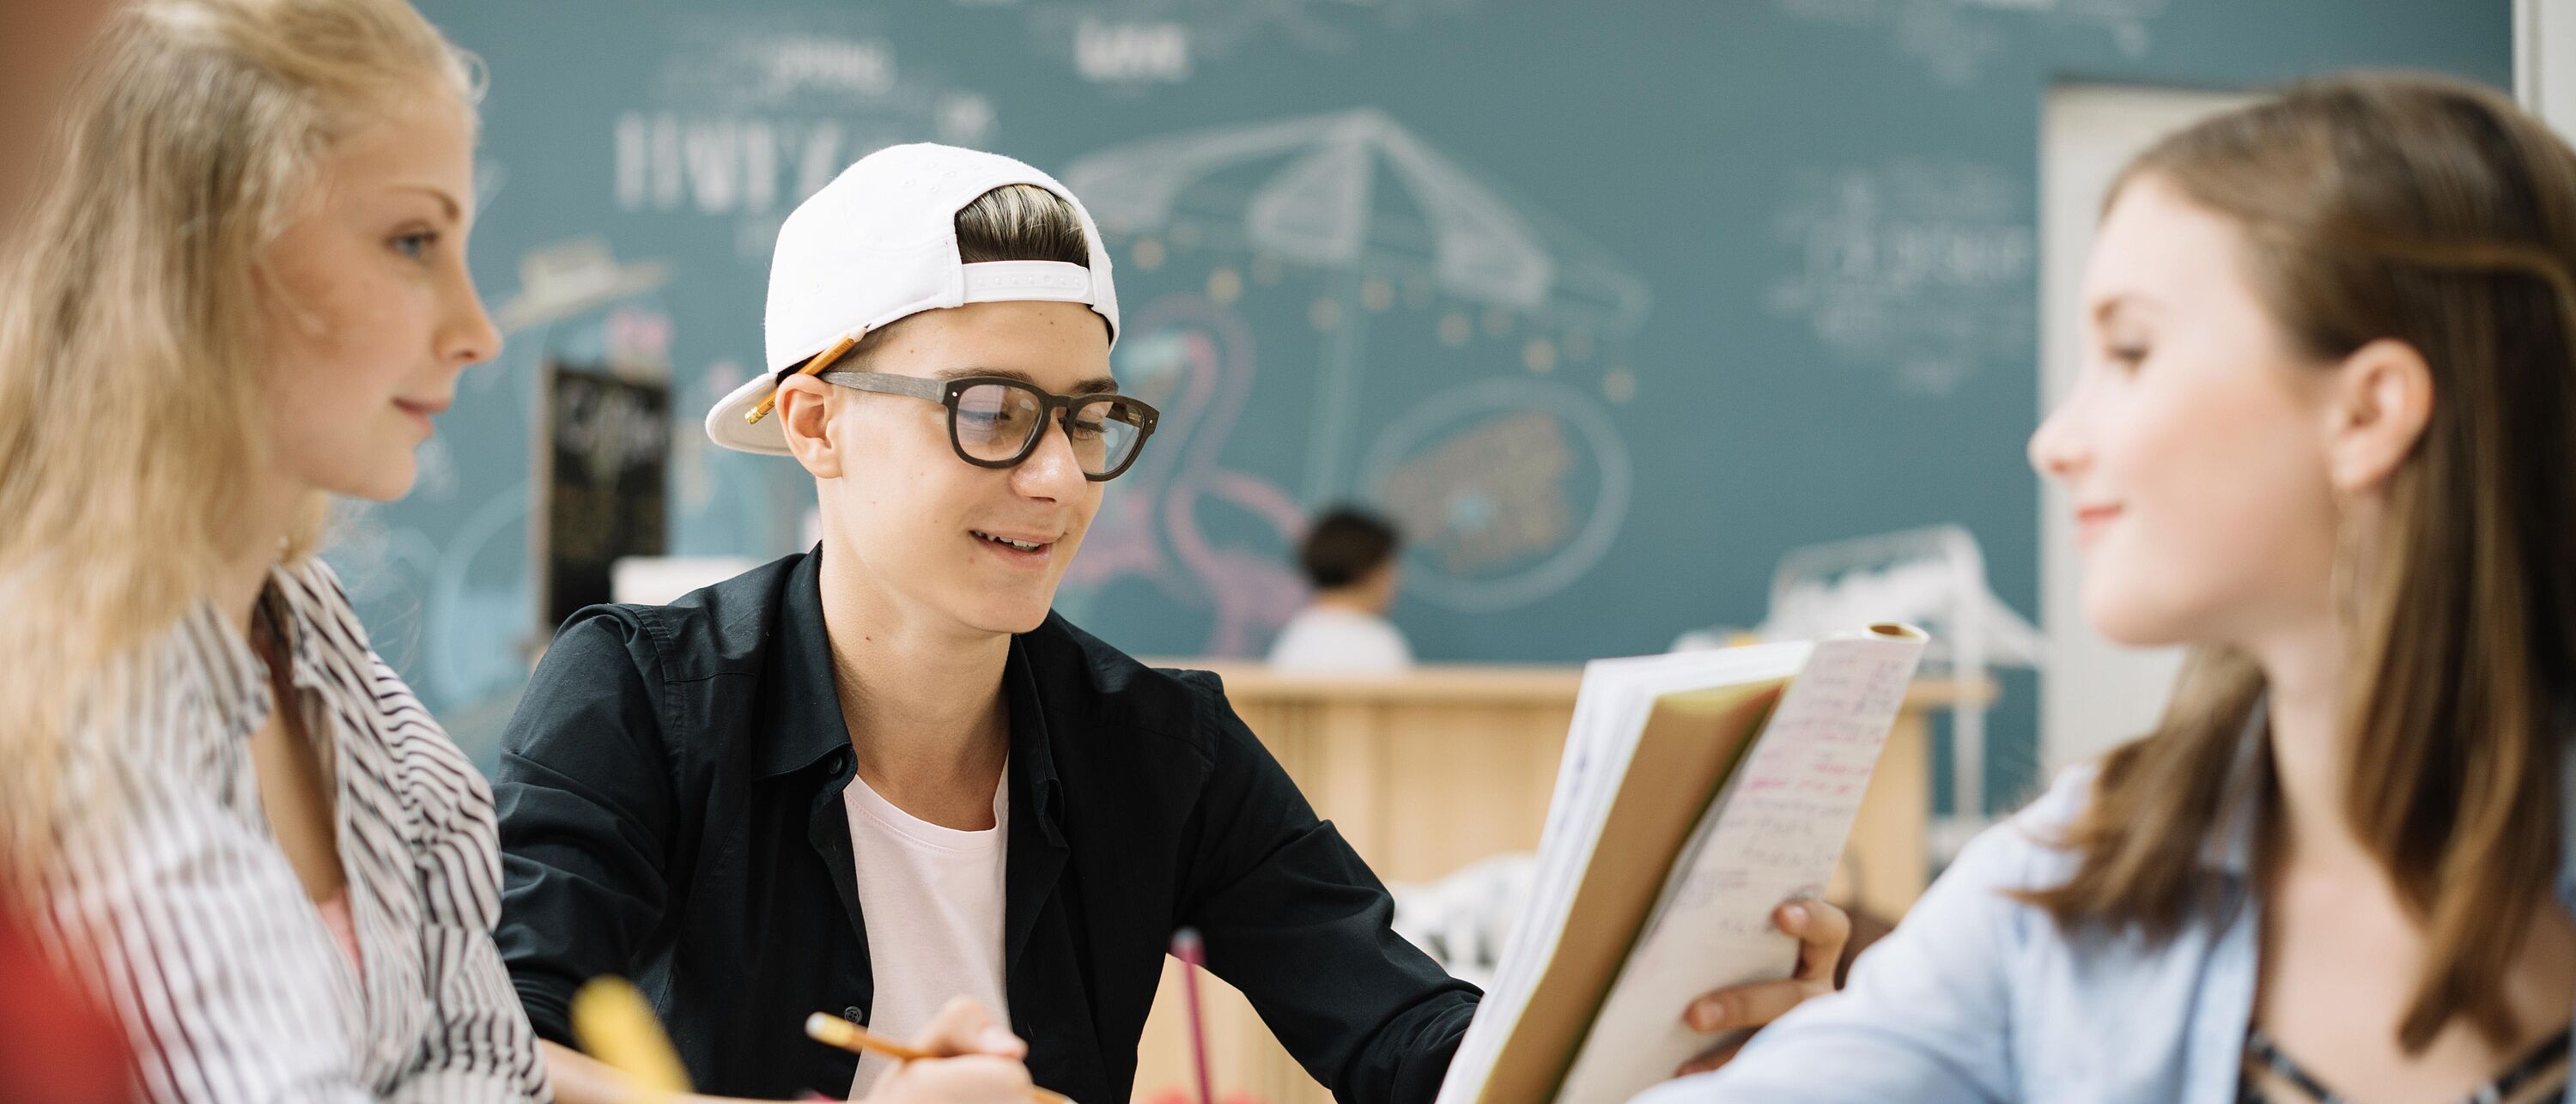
(725, 424)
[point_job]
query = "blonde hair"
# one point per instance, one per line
(2438, 214)
(132, 299)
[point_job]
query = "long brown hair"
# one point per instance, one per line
(2438, 214)
(131, 343)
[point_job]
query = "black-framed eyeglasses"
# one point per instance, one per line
(996, 421)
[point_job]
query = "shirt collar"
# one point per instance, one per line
(805, 726)
(290, 599)
(1032, 745)
(236, 675)
(804, 708)
(236, 680)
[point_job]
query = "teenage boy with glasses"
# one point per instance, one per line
(881, 775)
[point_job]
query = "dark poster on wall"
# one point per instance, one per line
(603, 466)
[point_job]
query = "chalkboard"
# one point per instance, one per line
(1609, 305)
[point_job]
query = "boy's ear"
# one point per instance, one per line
(804, 414)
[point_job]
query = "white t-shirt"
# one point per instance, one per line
(1331, 640)
(932, 901)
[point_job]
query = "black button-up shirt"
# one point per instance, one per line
(670, 800)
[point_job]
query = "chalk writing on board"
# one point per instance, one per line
(751, 113)
(560, 280)
(1508, 491)
(1446, 230)
(1924, 269)
(1136, 44)
(1955, 39)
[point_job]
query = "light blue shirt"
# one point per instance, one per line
(1978, 997)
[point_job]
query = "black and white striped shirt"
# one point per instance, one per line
(168, 895)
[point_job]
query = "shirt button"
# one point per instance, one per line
(855, 1014)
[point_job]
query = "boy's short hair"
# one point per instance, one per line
(1344, 546)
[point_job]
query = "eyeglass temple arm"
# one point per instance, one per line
(887, 383)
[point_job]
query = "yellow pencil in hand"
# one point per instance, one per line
(832, 1030)
(614, 1025)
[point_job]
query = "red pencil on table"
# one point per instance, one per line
(1193, 955)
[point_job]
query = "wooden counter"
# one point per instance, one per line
(1427, 772)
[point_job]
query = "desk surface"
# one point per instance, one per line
(1498, 684)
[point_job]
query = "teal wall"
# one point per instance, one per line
(1611, 303)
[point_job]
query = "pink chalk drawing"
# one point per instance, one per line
(1193, 359)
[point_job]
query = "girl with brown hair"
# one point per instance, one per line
(2326, 435)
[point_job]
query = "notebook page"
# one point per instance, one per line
(1776, 831)
(1611, 711)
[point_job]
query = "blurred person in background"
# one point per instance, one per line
(1349, 557)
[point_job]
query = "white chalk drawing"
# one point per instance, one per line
(568, 277)
(1956, 39)
(477, 629)
(753, 111)
(1925, 269)
(465, 661)
(1136, 44)
(380, 565)
(1130, 53)
(1193, 359)
(1507, 490)
(692, 474)
(1445, 231)
(436, 467)
(489, 177)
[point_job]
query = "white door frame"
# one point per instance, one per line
(2093, 694)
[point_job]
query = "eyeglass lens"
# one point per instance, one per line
(1000, 422)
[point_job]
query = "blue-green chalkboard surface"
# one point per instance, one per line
(1609, 304)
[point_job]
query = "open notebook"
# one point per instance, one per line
(1697, 793)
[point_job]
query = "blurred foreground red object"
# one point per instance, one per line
(56, 1046)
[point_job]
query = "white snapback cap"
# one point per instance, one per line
(879, 243)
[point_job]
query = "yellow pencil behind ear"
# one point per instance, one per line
(614, 1025)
